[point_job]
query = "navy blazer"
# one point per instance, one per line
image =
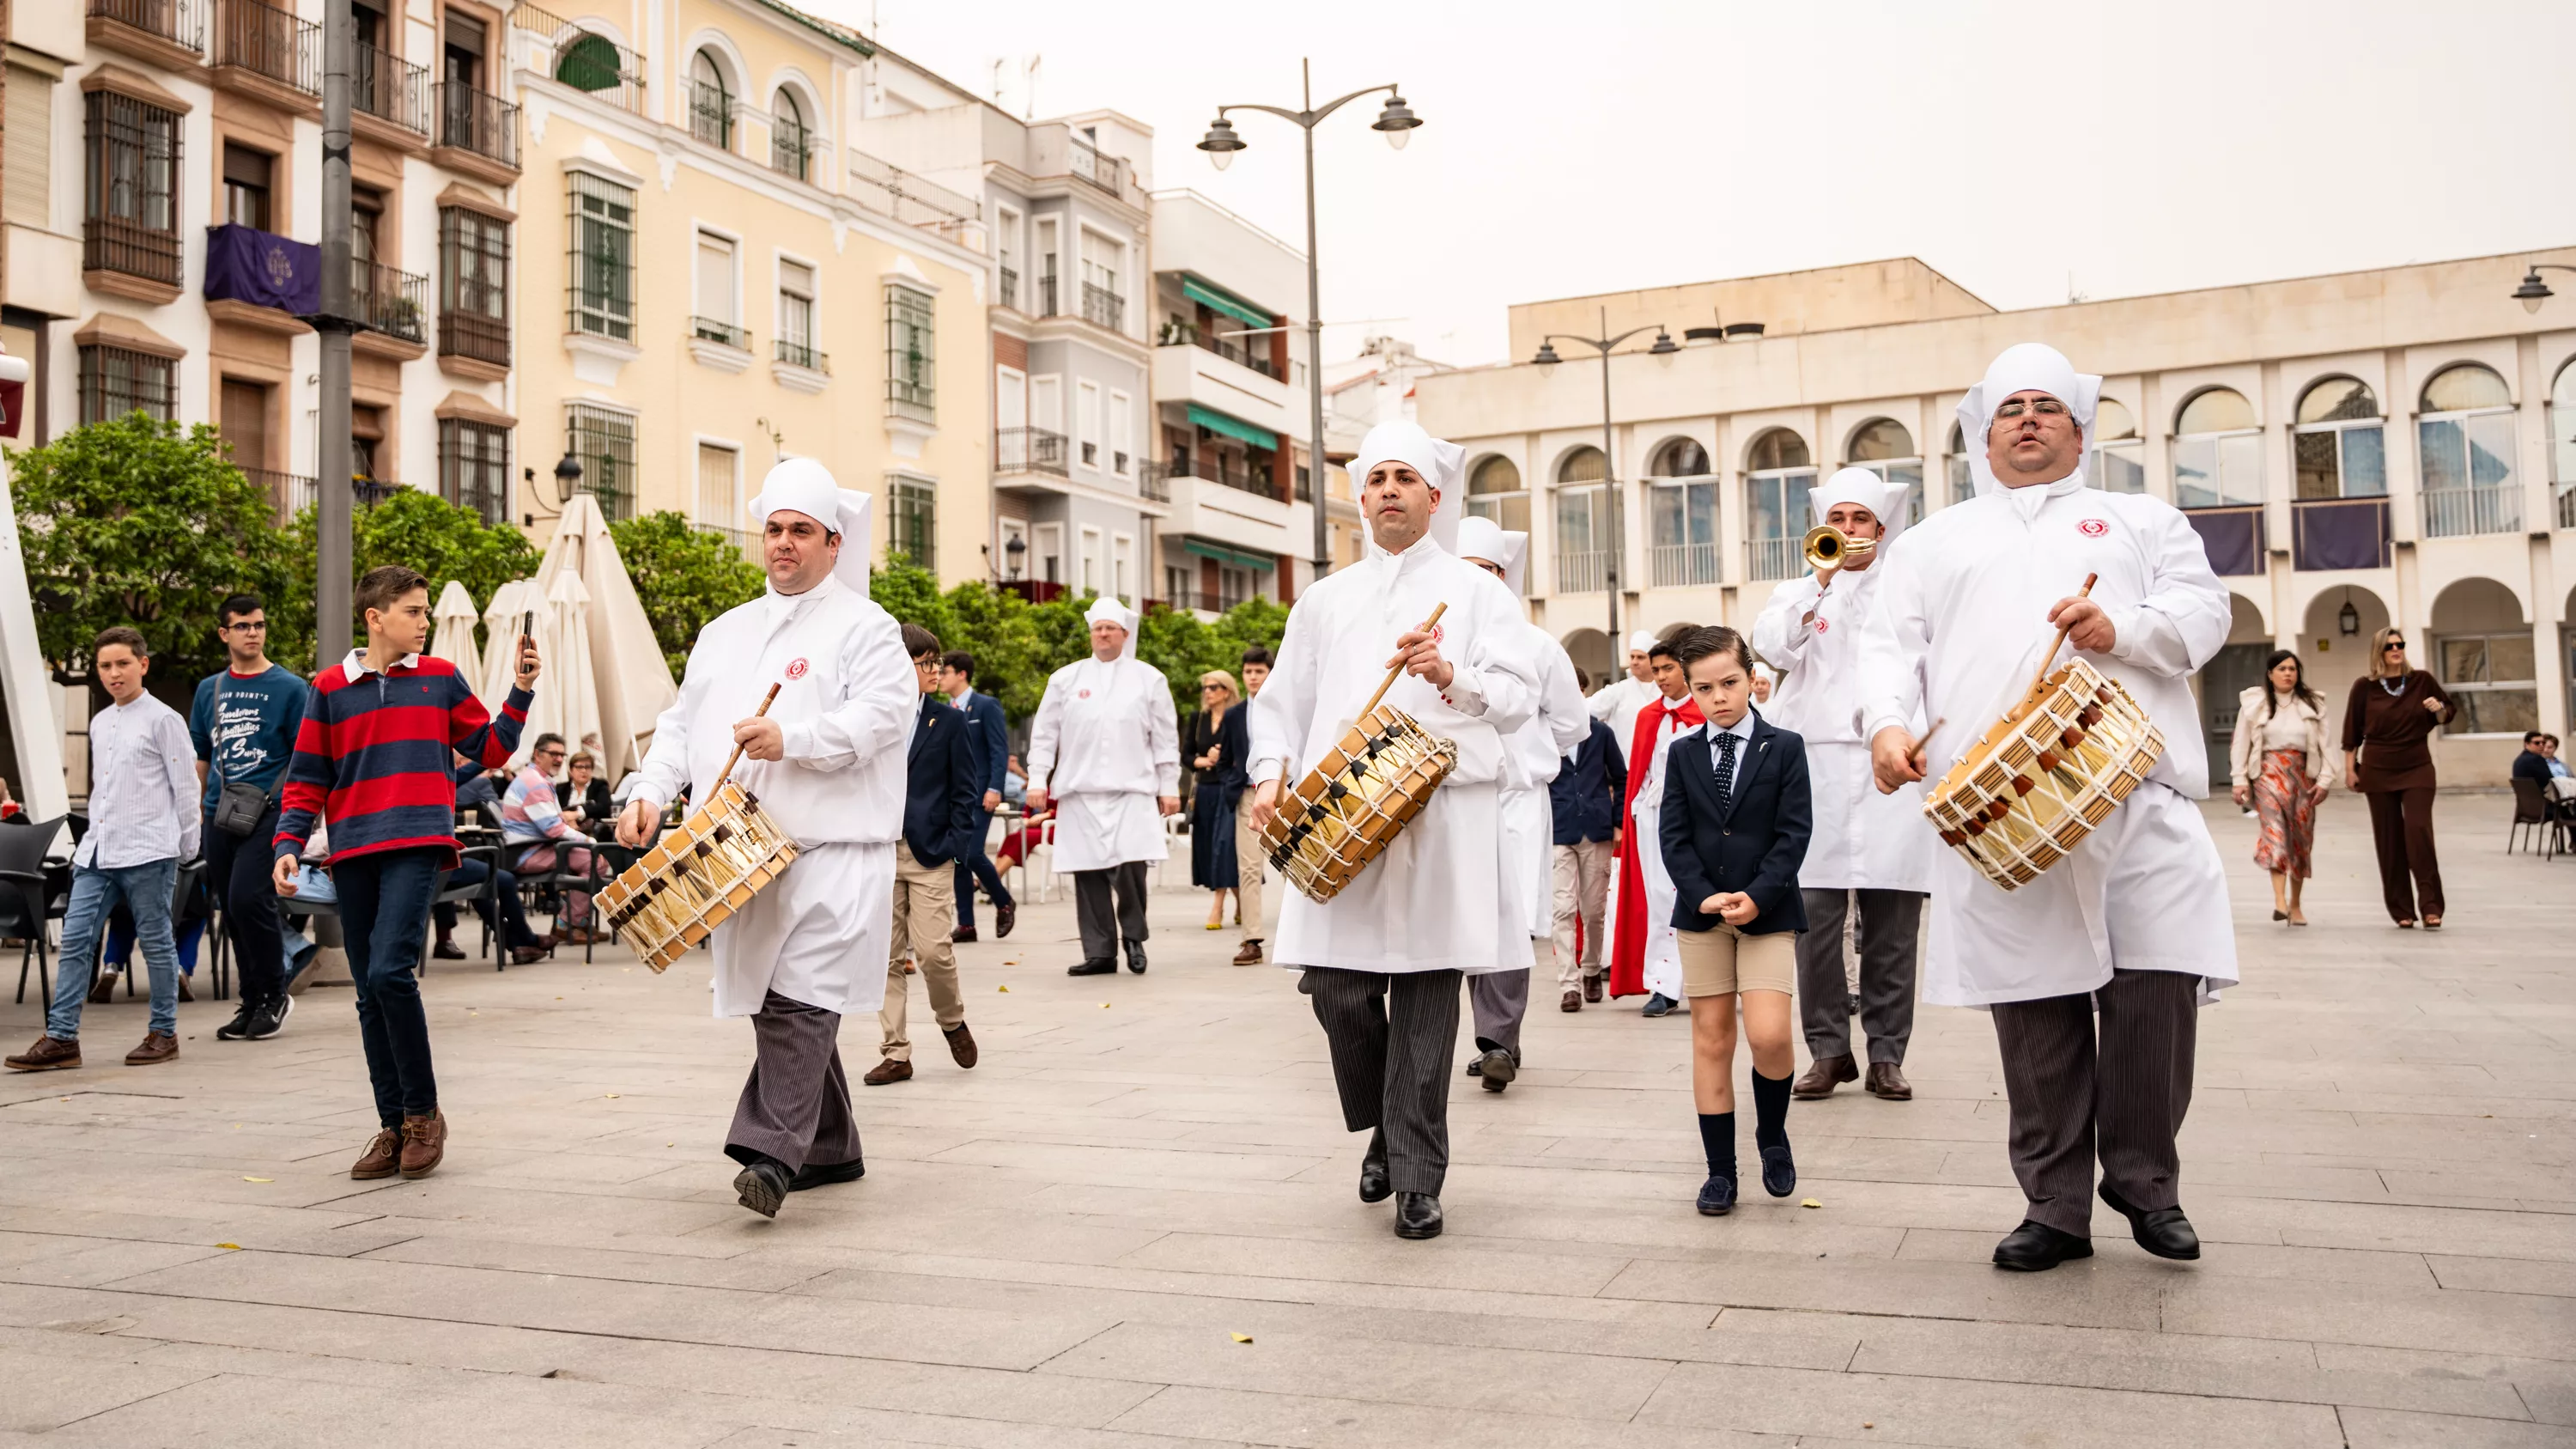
(1755, 845)
(1590, 789)
(992, 740)
(943, 795)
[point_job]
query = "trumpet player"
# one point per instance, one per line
(1869, 851)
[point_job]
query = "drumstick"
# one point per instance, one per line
(1397, 672)
(2041, 677)
(734, 758)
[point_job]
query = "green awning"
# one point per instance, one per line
(1217, 422)
(1262, 561)
(1218, 299)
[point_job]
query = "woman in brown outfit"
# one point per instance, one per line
(2393, 710)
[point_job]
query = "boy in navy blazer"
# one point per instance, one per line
(943, 786)
(1735, 825)
(993, 745)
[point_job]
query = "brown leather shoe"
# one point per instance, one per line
(49, 1054)
(1249, 954)
(1573, 1002)
(424, 1142)
(527, 955)
(887, 1071)
(961, 1044)
(383, 1157)
(155, 1048)
(1592, 988)
(1888, 1082)
(1823, 1077)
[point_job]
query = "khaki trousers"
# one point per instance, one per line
(1251, 868)
(925, 911)
(1582, 877)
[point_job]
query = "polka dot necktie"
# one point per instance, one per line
(1725, 767)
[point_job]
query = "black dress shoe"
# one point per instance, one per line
(1417, 1215)
(1096, 966)
(1496, 1068)
(1717, 1196)
(1005, 916)
(2037, 1247)
(762, 1186)
(2164, 1232)
(962, 935)
(821, 1174)
(447, 951)
(1374, 1185)
(1779, 1171)
(1136, 957)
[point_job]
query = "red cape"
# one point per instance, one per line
(1628, 942)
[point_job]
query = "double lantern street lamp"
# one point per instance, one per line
(1395, 122)
(1664, 346)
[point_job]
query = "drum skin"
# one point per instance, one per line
(1354, 803)
(2045, 775)
(696, 876)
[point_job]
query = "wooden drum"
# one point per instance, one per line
(2045, 776)
(1352, 805)
(697, 875)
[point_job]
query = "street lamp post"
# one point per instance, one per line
(1396, 122)
(1664, 346)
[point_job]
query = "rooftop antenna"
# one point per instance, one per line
(1029, 83)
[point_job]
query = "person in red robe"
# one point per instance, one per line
(1644, 900)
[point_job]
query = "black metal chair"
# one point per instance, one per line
(487, 890)
(547, 887)
(26, 891)
(2531, 814)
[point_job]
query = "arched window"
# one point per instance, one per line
(1963, 482)
(1779, 478)
(1583, 534)
(711, 101)
(1681, 517)
(1680, 458)
(2217, 451)
(2483, 652)
(2336, 448)
(2123, 453)
(791, 144)
(1494, 491)
(1884, 447)
(2464, 446)
(2562, 437)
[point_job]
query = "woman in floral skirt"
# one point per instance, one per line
(2280, 764)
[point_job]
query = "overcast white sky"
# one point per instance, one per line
(1573, 148)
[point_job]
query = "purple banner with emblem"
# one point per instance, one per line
(263, 269)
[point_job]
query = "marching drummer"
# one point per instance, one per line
(827, 764)
(1383, 959)
(1106, 749)
(2133, 924)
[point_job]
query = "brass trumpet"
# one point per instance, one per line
(1829, 548)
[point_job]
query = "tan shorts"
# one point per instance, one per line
(1724, 960)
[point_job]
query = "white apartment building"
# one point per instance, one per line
(2355, 450)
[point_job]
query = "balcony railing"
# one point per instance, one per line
(1037, 591)
(1046, 295)
(791, 148)
(2453, 512)
(486, 125)
(584, 59)
(473, 335)
(180, 22)
(711, 114)
(1010, 288)
(744, 541)
(708, 329)
(1226, 347)
(1103, 307)
(394, 303)
(2339, 533)
(300, 492)
(111, 244)
(2233, 537)
(1583, 571)
(1154, 480)
(1216, 468)
(1773, 558)
(270, 42)
(1681, 565)
(286, 492)
(894, 192)
(799, 354)
(1029, 450)
(1105, 172)
(391, 88)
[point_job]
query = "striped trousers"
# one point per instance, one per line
(1393, 1038)
(2118, 1088)
(795, 1106)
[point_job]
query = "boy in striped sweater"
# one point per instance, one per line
(372, 756)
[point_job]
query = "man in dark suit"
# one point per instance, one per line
(1586, 796)
(940, 800)
(993, 749)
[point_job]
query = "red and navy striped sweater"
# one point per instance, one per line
(373, 757)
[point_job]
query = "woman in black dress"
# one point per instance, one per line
(1218, 746)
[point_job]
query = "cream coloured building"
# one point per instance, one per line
(709, 277)
(2357, 449)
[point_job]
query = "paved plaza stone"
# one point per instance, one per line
(1134, 1223)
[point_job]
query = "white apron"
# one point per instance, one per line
(1106, 743)
(1099, 829)
(819, 934)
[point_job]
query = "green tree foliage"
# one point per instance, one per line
(142, 523)
(685, 576)
(416, 529)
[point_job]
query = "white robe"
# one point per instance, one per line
(1447, 894)
(1538, 750)
(1106, 744)
(846, 704)
(1663, 963)
(1616, 704)
(1959, 623)
(1863, 840)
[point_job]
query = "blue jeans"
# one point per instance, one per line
(978, 866)
(145, 889)
(384, 915)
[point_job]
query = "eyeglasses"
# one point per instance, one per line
(2047, 407)
(247, 626)
(2393, 646)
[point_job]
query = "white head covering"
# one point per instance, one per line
(1483, 538)
(801, 485)
(1641, 641)
(1107, 610)
(2020, 368)
(1442, 465)
(1885, 500)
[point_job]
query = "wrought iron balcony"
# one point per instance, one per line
(791, 148)
(1154, 480)
(112, 244)
(390, 88)
(711, 115)
(473, 335)
(270, 42)
(1105, 172)
(800, 354)
(471, 120)
(1245, 477)
(1103, 307)
(1010, 288)
(394, 303)
(708, 329)
(1029, 450)
(177, 22)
